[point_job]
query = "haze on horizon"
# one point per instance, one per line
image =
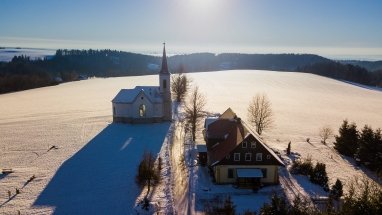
(327, 28)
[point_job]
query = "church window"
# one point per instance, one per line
(142, 110)
(164, 83)
(114, 111)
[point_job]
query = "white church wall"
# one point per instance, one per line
(158, 110)
(142, 99)
(122, 110)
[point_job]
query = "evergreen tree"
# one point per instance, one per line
(279, 205)
(228, 207)
(288, 149)
(370, 149)
(319, 175)
(347, 140)
(337, 190)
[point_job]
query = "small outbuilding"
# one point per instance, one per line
(202, 153)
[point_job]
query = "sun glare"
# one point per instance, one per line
(203, 4)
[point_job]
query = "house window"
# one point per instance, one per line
(237, 157)
(142, 110)
(244, 145)
(264, 171)
(253, 144)
(259, 156)
(268, 156)
(114, 111)
(164, 83)
(227, 156)
(230, 173)
(248, 156)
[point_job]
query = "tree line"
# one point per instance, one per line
(347, 72)
(111, 63)
(20, 74)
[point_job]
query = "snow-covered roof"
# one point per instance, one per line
(201, 147)
(249, 173)
(209, 120)
(129, 95)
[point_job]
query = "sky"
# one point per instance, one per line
(328, 28)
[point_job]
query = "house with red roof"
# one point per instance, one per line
(237, 154)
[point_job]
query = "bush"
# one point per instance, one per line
(303, 167)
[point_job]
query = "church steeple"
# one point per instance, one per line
(164, 69)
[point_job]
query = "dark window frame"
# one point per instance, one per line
(230, 173)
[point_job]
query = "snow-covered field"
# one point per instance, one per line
(92, 166)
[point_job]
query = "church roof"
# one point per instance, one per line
(129, 95)
(164, 69)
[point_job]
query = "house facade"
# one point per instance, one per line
(237, 154)
(145, 104)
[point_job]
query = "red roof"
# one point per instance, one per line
(235, 132)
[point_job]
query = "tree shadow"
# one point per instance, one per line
(99, 178)
(363, 168)
(3, 176)
(12, 197)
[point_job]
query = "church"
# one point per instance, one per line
(145, 104)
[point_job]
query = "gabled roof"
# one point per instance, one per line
(233, 131)
(129, 95)
(228, 114)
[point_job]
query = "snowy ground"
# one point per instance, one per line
(92, 166)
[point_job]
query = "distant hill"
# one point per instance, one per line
(118, 63)
(369, 65)
(68, 64)
(201, 62)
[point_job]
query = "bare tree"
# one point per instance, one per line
(147, 173)
(260, 113)
(194, 109)
(325, 132)
(180, 83)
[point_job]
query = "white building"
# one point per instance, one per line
(145, 104)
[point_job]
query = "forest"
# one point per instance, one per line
(22, 73)
(347, 72)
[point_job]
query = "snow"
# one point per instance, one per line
(128, 95)
(201, 147)
(92, 165)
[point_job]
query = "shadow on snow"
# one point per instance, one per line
(99, 178)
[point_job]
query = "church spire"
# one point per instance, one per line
(164, 69)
